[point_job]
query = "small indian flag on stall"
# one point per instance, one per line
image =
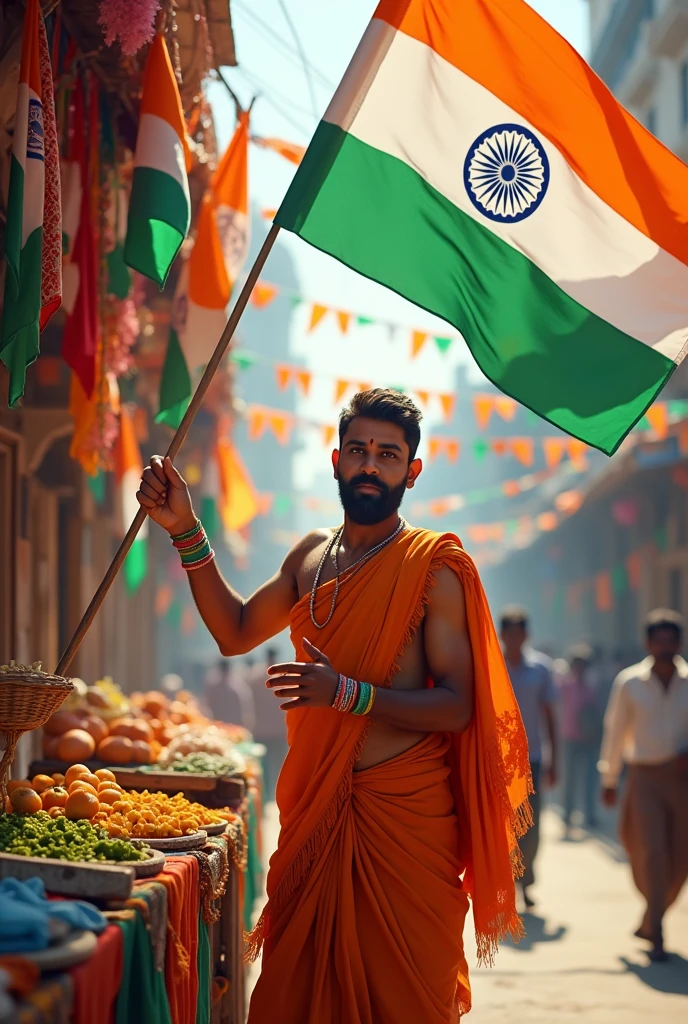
(471, 161)
(159, 207)
(128, 469)
(32, 282)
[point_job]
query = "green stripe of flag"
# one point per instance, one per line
(175, 384)
(378, 216)
(158, 222)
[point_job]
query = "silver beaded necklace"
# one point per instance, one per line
(333, 549)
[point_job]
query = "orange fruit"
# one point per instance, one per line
(50, 746)
(18, 784)
(116, 750)
(141, 751)
(81, 784)
(26, 801)
(105, 775)
(96, 726)
(41, 782)
(55, 797)
(91, 778)
(61, 722)
(74, 772)
(75, 743)
(56, 812)
(109, 796)
(58, 778)
(81, 805)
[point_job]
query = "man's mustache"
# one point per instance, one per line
(359, 481)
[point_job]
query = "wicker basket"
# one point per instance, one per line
(27, 700)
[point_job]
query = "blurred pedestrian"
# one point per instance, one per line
(271, 729)
(228, 695)
(580, 723)
(531, 677)
(646, 725)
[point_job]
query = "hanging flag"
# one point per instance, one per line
(343, 319)
(206, 279)
(32, 282)
(317, 313)
(418, 339)
(483, 406)
(239, 503)
(289, 150)
(263, 294)
(81, 333)
(329, 433)
(476, 130)
(129, 468)
(160, 206)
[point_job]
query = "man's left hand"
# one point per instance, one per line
(309, 684)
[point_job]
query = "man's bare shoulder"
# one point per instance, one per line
(309, 543)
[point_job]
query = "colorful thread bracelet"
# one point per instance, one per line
(194, 548)
(353, 697)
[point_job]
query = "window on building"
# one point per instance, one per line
(684, 93)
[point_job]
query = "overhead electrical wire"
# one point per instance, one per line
(281, 44)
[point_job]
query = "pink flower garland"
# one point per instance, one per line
(130, 21)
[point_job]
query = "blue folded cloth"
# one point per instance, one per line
(25, 911)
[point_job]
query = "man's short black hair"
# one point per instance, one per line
(664, 618)
(514, 615)
(387, 405)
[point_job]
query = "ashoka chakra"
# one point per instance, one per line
(506, 173)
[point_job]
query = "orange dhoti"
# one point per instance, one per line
(375, 935)
(368, 888)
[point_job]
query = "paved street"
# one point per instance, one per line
(579, 958)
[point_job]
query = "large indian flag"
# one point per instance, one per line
(159, 207)
(472, 161)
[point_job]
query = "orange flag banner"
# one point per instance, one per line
(435, 447)
(576, 449)
(257, 422)
(289, 150)
(239, 502)
(448, 402)
(423, 397)
(341, 388)
(505, 406)
(634, 568)
(281, 424)
(164, 596)
(418, 339)
(511, 488)
(343, 319)
(498, 445)
(483, 406)
(304, 379)
(284, 375)
(268, 214)
(523, 449)
(328, 433)
(317, 313)
(452, 448)
(263, 294)
(265, 503)
(604, 599)
(658, 418)
(554, 448)
(364, 385)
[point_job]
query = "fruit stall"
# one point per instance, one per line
(128, 856)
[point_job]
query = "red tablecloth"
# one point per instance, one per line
(97, 981)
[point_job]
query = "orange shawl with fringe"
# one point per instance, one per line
(377, 612)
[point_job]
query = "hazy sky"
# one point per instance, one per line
(288, 105)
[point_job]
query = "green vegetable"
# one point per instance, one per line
(200, 763)
(39, 835)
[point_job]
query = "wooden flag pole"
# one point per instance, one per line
(175, 445)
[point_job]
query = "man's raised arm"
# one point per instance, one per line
(236, 624)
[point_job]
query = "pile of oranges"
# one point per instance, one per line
(80, 794)
(76, 795)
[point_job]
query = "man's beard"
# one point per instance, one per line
(369, 509)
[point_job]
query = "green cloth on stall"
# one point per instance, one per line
(254, 869)
(142, 998)
(205, 971)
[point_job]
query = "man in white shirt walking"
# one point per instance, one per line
(646, 725)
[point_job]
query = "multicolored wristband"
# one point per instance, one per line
(353, 697)
(194, 548)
